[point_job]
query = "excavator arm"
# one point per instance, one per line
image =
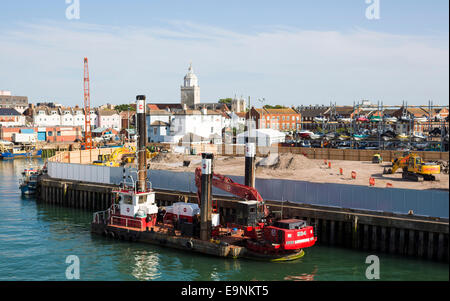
(226, 184)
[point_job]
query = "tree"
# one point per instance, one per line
(225, 100)
(124, 107)
(274, 107)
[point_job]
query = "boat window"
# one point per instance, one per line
(142, 199)
(126, 199)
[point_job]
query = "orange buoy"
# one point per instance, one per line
(371, 181)
(353, 174)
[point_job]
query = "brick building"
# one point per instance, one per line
(286, 119)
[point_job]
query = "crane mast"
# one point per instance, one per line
(87, 108)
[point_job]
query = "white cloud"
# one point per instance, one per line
(284, 65)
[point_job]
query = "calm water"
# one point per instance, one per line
(35, 240)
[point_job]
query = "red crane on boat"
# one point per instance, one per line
(267, 237)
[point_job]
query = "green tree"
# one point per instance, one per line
(124, 107)
(274, 107)
(225, 100)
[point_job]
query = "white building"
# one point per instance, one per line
(204, 123)
(107, 119)
(45, 116)
(237, 120)
(262, 137)
(78, 117)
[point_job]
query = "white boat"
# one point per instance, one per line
(421, 119)
(402, 136)
(345, 120)
(390, 119)
(305, 134)
(320, 119)
(418, 136)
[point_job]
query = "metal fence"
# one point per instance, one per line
(423, 202)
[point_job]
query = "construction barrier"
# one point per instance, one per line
(371, 181)
(353, 174)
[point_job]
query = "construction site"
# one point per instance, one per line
(300, 167)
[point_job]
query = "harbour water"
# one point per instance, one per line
(36, 239)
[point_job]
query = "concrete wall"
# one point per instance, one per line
(423, 202)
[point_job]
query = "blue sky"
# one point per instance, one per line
(289, 52)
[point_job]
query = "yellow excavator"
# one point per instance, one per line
(414, 168)
(120, 157)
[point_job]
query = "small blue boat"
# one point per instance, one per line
(18, 152)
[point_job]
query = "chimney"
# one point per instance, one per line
(206, 196)
(141, 143)
(250, 154)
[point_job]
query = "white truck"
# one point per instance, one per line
(24, 138)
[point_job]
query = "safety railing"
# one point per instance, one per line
(126, 222)
(104, 216)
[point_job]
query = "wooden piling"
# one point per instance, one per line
(340, 233)
(366, 237)
(430, 245)
(383, 240)
(401, 245)
(440, 253)
(421, 243)
(374, 241)
(332, 233)
(325, 231)
(411, 243)
(392, 241)
(355, 239)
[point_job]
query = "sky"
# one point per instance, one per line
(286, 52)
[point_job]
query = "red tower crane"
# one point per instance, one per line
(87, 143)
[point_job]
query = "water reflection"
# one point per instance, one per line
(303, 276)
(146, 266)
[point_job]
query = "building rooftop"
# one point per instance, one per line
(159, 123)
(9, 112)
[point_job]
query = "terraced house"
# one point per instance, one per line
(285, 119)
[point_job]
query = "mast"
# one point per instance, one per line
(87, 108)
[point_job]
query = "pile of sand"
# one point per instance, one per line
(167, 158)
(290, 162)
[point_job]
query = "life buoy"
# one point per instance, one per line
(189, 244)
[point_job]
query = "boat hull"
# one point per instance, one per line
(27, 190)
(189, 244)
(9, 155)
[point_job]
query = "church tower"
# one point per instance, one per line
(190, 91)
